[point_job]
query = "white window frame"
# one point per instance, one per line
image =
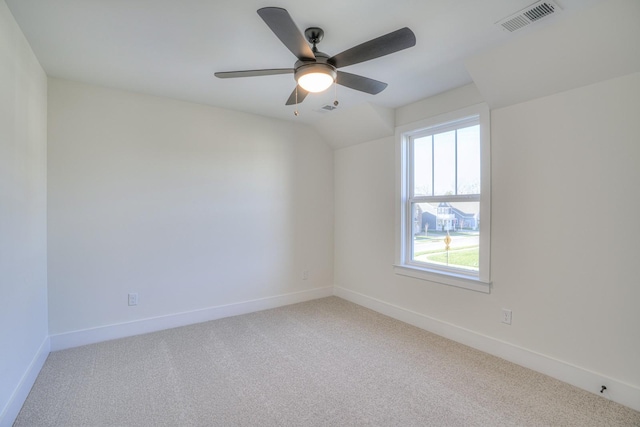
(479, 281)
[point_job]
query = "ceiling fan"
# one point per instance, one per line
(315, 71)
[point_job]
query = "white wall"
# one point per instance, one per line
(188, 205)
(565, 229)
(23, 181)
(566, 205)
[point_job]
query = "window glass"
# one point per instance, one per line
(469, 160)
(444, 167)
(422, 166)
(433, 222)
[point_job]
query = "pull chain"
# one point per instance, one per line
(295, 113)
(335, 93)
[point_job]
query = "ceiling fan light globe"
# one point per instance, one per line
(315, 82)
(316, 77)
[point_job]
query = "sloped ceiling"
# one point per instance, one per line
(596, 44)
(364, 122)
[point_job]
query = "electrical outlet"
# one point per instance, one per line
(305, 274)
(133, 299)
(506, 316)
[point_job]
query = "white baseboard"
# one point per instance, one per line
(143, 326)
(12, 408)
(618, 391)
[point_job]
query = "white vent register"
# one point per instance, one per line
(529, 15)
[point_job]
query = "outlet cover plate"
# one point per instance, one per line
(133, 299)
(506, 316)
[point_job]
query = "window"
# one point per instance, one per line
(444, 203)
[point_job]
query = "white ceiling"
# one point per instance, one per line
(172, 47)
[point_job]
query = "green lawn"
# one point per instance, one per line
(463, 258)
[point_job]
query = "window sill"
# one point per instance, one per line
(457, 280)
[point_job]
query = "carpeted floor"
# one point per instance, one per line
(326, 362)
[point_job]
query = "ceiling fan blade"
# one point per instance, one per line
(363, 84)
(285, 29)
(302, 94)
(253, 73)
(375, 48)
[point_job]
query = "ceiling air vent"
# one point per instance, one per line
(329, 107)
(526, 16)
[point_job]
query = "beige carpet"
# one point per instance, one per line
(321, 363)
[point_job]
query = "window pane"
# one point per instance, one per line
(444, 164)
(422, 161)
(469, 160)
(432, 222)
